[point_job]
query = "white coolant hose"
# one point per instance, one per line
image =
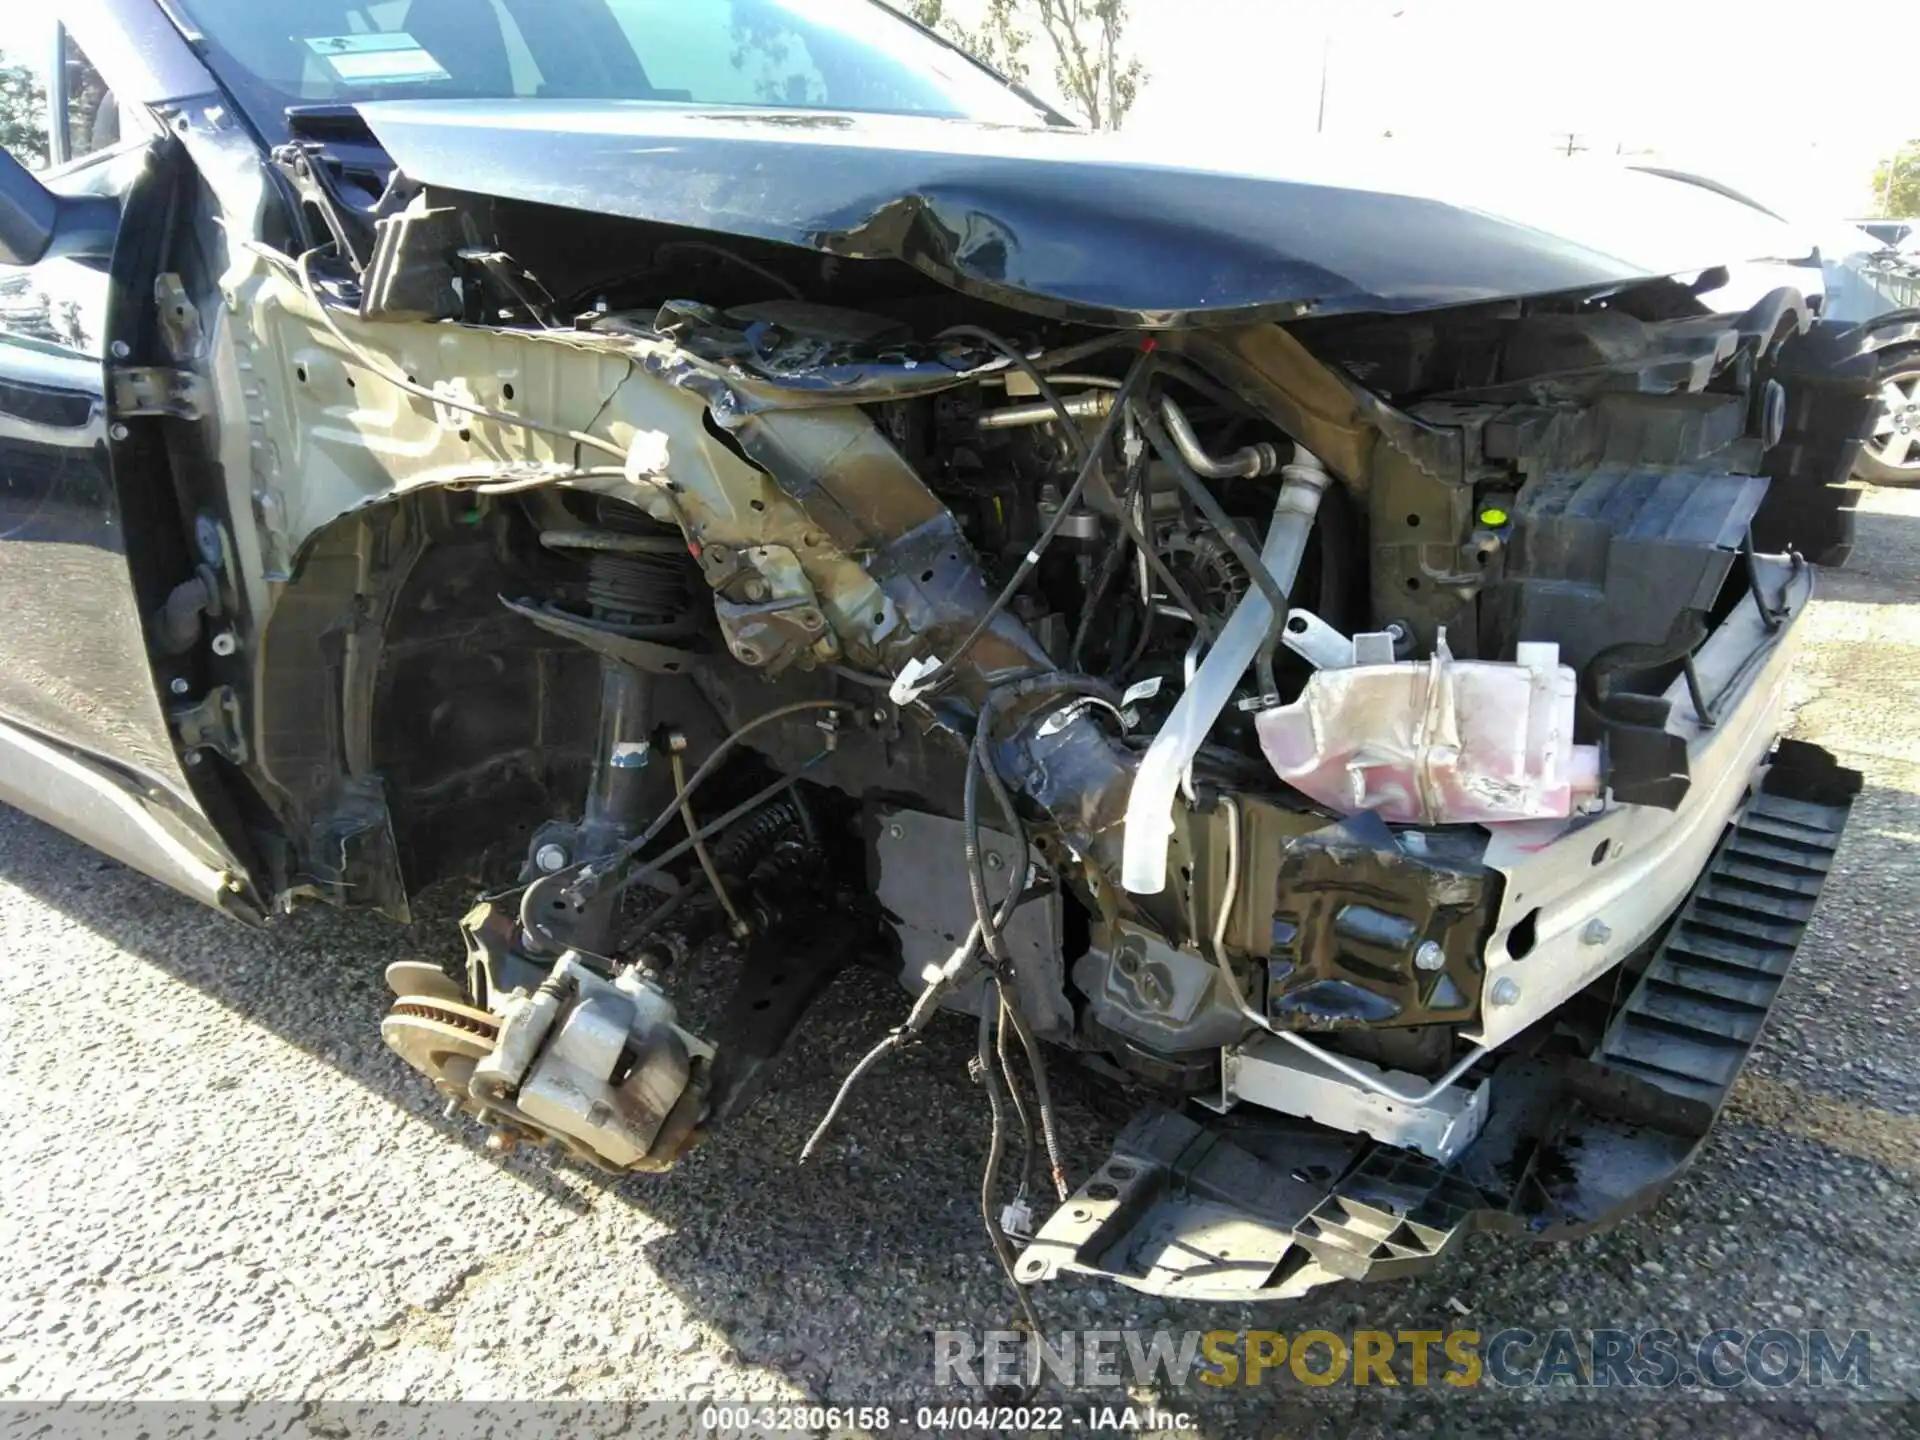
(1143, 864)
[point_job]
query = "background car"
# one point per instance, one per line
(1867, 269)
(1863, 285)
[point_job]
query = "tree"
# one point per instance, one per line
(1099, 82)
(999, 40)
(1896, 183)
(23, 114)
(1087, 61)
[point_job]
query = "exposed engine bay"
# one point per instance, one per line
(1305, 723)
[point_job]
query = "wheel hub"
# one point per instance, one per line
(1895, 442)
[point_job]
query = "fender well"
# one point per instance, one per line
(407, 724)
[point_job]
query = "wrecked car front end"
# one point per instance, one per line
(1330, 694)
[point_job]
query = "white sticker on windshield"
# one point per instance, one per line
(377, 59)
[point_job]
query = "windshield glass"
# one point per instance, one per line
(786, 54)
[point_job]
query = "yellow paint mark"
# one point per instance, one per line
(1863, 1131)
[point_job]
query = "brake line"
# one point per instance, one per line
(700, 851)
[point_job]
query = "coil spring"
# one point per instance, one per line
(647, 592)
(745, 842)
(640, 581)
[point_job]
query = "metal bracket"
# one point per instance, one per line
(179, 320)
(1325, 648)
(767, 607)
(156, 390)
(1268, 1073)
(312, 177)
(213, 723)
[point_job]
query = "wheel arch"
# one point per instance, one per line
(407, 726)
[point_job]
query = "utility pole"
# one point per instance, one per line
(1326, 52)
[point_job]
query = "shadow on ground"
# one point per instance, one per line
(837, 1274)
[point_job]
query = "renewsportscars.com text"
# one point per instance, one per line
(1722, 1358)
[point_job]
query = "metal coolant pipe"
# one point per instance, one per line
(1149, 824)
(1252, 462)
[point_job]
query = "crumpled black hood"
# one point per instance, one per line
(1103, 228)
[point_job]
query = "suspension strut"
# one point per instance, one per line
(639, 587)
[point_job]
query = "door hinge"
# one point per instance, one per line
(156, 390)
(212, 723)
(179, 320)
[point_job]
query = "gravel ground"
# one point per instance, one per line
(221, 1184)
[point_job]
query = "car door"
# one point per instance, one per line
(85, 737)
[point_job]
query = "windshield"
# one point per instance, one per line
(786, 54)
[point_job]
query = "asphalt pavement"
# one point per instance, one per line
(217, 1183)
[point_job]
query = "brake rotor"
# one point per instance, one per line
(410, 978)
(442, 1039)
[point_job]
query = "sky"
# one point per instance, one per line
(1789, 100)
(1791, 103)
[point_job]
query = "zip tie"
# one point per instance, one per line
(908, 685)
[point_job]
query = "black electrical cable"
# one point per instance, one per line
(1248, 557)
(779, 282)
(1005, 1058)
(595, 868)
(1111, 564)
(989, 921)
(890, 1042)
(1082, 349)
(1175, 590)
(1043, 1100)
(303, 272)
(1148, 615)
(1202, 497)
(990, 1184)
(860, 677)
(1042, 1094)
(922, 1011)
(991, 1047)
(979, 765)
(803, 812)
(1263, 665)
(1194, 378)
(714, 827)
(529, 899)
(499, 265)
(1018, 359)
(1090, 455)
(1090, 460)
(1110, 568)
(992, 925)
(529, 902)
(659, 915)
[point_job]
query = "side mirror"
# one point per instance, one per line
(29, 213)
